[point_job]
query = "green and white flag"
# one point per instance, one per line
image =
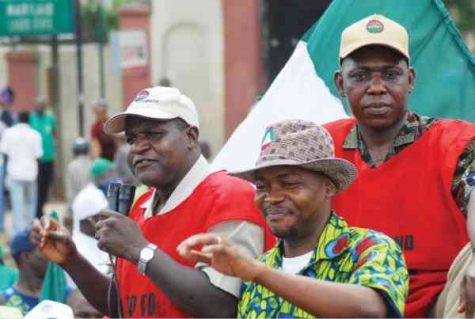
(304, 89)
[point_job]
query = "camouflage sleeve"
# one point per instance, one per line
(464, 177)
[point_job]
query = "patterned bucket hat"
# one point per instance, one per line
(303, 144)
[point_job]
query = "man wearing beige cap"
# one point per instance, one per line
(416, 173)
(161, 126)
(321, 267)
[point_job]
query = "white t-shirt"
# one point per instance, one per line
(295, 264)
(89, 202)
(23, 147)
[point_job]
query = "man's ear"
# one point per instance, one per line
(25, 257)
(330, 188)
(192, 134)
(412, 78)
(338, 80)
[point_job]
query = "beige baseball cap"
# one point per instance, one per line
(374, 30)
(159, 103)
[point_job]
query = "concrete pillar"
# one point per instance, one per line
(134, 17)
(21, 76)
(243, 59)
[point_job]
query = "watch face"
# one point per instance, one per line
(146, 254)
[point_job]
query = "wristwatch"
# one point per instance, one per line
(146, 254)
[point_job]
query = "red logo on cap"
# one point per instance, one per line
(142, 96)
(375, 26)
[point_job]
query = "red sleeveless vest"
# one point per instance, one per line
(409, 198)
(218, 198)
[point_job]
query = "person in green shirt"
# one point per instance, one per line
(44, 122)
(8, 275)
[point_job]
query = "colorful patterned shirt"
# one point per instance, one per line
(343, 254)
(12, 297)
(415, 126)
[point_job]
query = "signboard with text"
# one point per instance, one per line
(129, 49)
(36, 17)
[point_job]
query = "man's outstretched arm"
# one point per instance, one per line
(189, 288)
(57, 245)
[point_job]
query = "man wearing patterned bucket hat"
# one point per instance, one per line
(415, 174)
(321, 267)
(186, 197)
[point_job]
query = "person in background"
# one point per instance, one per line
(7, 97)
(321, 267)
(78, 173)
(416, 173)
(25, 293)
(8, 275)
(87, 205)
(104, 173)
(22, 146)
(44, 122)
(102, 145)
(82, 309)
(205, 149)
(120, 160)
(165, 82)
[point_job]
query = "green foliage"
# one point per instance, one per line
(91, 25)
(466, 12)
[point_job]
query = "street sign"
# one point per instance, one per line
(36, 17)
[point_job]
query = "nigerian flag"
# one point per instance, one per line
(304, 89)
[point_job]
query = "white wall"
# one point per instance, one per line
(3, 67)
(187, 46)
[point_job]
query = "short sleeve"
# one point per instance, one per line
(95, 130)
(380, 265)
(250, 239)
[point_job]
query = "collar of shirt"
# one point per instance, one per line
(333, 241)
(22, 126)
(414, 126)
(187, 185)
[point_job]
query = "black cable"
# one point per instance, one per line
(114, 280)
(109, 289)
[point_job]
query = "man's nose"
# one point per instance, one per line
(139, 145)
(275, 196)
(376, 85)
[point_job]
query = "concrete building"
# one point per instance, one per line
(212, 50)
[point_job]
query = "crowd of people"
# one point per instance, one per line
(28, 150)
(370, 216)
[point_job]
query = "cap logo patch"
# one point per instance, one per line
(269, 137)
(142, 96)
(375, 26)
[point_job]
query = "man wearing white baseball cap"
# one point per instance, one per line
(416, 174)
(161, 125)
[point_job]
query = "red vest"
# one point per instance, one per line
(218, 198)
(409, 198)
